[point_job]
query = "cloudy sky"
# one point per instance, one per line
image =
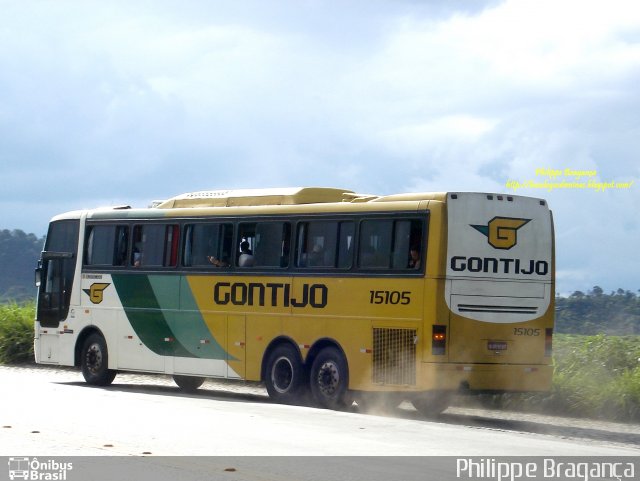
(104, 103)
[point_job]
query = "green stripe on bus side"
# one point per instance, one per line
(191, 329)
(145, 316)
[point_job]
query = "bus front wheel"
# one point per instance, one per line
(95, 361)
(330, 379)
(188, 383)
(284, 376)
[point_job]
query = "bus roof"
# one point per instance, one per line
(268, 201)
(283, 196)
(254, 197)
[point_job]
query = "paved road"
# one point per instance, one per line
(51, 412)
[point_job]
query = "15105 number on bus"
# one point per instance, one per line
(390, 297)
(523, 331)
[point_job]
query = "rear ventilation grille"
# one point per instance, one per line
(497, 309)
(394, 356)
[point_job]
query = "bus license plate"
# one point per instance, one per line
(497, 345)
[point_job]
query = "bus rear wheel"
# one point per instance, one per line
(94, 361)
(188, 383)
(430, 404)
(329, 379)
(284, 375)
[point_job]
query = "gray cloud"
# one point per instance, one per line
(123, 103)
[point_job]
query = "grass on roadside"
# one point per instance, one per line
(595, 377)
(16, 333)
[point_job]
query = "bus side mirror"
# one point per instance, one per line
(38, 276)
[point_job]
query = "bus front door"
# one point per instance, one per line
(54, 294)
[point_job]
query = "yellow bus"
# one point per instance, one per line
(319, 293)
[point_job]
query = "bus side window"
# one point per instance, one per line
(122, 244)
(155, 245)
(244, 249)
(137, 247)
(225, 244)
(388, 244)
(375, 244)
(416, 245)
(207, 245)
(325, 244)
(316, 244)
(271, 247)
(345, 244)
(106, 245)
(407, 244)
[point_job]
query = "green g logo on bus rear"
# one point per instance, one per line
(501, 232)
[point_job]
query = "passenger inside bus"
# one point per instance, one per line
(217, 262)
(414, 257)
(137, 254)
(316, 256)
(246, 255)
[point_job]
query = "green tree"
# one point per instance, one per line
(617, 313)
(19, 253)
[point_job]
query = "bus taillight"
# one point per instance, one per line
(438, 339)
(548, 341)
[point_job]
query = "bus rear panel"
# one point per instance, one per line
(499, 291)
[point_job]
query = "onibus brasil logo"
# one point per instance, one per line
(502, 232)
(33, 469)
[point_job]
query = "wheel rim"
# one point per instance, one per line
(94, 358)
(328, 379)
(282, 375)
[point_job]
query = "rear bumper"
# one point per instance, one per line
(485, 377)
(470, 378)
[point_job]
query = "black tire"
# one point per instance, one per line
(188, 383)
(94, 360)
(285, 376)
(329, 379)
(431, 404)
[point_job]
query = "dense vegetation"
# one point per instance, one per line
(594, 376)
(16, 333)
(19, 253)
(596, 312)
